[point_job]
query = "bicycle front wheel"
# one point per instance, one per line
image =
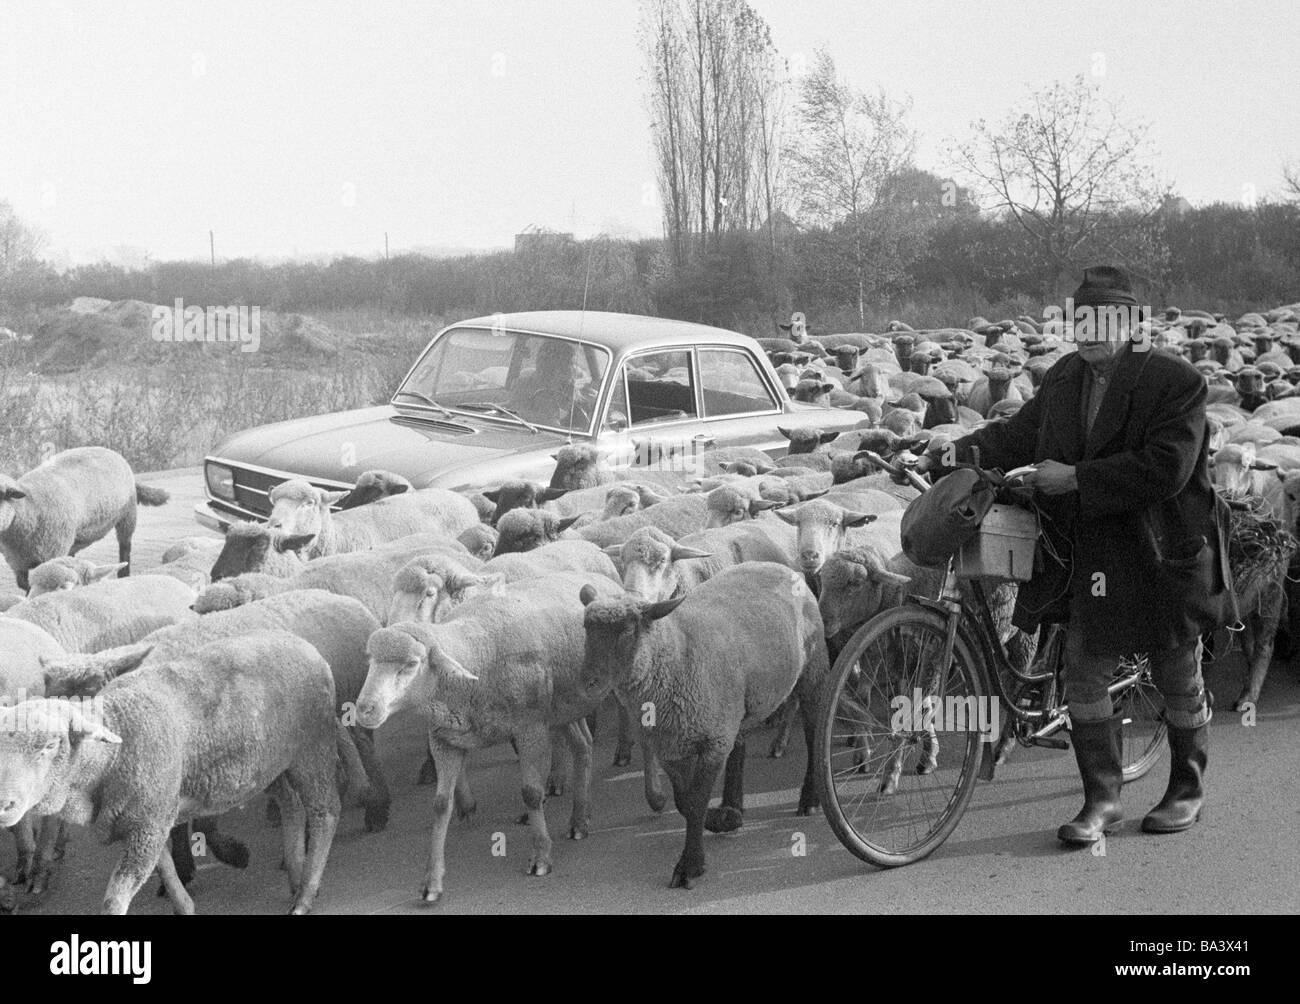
(900, 736)
(1142, 709)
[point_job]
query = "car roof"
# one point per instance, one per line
(620, 332)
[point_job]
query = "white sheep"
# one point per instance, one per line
(109, 613)
(67, 573)
(195, 737)
(711, 665)
(501, 668)
(254, 547)
(68, 503)
(300, 510)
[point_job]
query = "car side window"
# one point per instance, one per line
(660, 388)
(731, 384)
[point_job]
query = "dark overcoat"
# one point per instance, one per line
(1142, 544)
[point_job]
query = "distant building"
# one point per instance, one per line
(533, 239)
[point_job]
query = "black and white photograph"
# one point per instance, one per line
(650, 457)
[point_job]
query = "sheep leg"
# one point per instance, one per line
(730, 815)
(182, 854)
(293, 830)
(534, 755)
(227, 850)
(25, 836)
(428, 770)
(654, 791)
(808, 790)
(125, 531)
(1261, 626)
(623, 751)
(560, 763)
(692, 780)
(321, 804)
(49, 845)
(578, 738)
(466, 803)
(182, 904)
(140, 856)
(378, 800)
(784, 720)
(450, 762)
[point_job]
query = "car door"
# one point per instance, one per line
(740, 406)
(653, 416)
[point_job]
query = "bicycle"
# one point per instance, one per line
(934, 656)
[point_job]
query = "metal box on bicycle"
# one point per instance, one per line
(1003, 549)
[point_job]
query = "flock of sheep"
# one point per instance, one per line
(707, 602)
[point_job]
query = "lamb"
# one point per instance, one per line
(108, 613)
(500, 668)
(195, 737)
(365, 576)
(67, 573)
(68, 503)
(526, 529)
(299, 509)
(711, 665)
(373, 486)
(252, 547)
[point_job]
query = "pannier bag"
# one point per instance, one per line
(940, 520)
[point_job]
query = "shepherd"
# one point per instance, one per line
(1135, 557)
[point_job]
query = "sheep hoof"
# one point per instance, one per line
(428, 895)
(39, 882)
(578, 832)
(684, 875)
(299, 911)
(1246, 698)
(777, 750)
(723, 819)
(466, 812)
(554, 788)
(539, 867)
(622, 757)
(376, 818)
(522, 820)
(657, 801)
(428, 773)
(807, 802)
(273, 814)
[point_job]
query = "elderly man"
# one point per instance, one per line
(1138, 557)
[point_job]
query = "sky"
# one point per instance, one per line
(294, 128)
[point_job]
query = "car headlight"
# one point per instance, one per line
(221, 481)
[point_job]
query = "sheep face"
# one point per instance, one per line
(1291, 501)
(528, 529)
(812, 391)
(805, 440)
(727, 505)
(577, 467)
(299, 509)
(648, 558)
(614, 628)
(10, 492)
(38, 739)
(245, 550)
(67, 573)
(401, 674)
(822, 526)
(854, 588)
(373, 486)
(621, 500)
(513, 495)
(479, 540)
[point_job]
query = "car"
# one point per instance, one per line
(493, 398)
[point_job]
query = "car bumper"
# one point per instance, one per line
(214, 516)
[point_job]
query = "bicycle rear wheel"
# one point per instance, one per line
(898, 737)
(1142, 708)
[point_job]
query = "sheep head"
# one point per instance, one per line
(806, 440)
(237, 591)
(519, 495)
(399, 657)
(299, 508)
(426, 589)
(67, 572)
(10, 492)
(621, 500)
(1290, 501)
(578, 466)
(647, 559)
(85, 675)
(614, 626)
(246, 546)
(855, 586)
(728, 504)
(480, 541)
(822, 527)
(373, 486)
(39, 742)
(528, 529)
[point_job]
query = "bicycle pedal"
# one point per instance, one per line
(1050, 742)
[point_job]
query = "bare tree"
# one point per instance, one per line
(19, 244)
(1072, 173)
(847, 147)
(1291, 181)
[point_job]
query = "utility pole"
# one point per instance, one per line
(212, 248)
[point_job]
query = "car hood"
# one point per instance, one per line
(428, 451)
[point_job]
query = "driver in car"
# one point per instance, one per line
(557, 392)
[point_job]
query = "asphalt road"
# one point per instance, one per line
(1244, 856)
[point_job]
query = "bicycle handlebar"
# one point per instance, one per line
(918, 482)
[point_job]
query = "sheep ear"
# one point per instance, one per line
(551, 494)
(614, 550)
(680, 552)
(331, 498)
(663, 608)
(809, 496)
(857, 518)
(453, 668)
(764, 468)
(104, 571)
(493, 496)
(790, 516)
(759, 505)
(887, 578)
(83, 728)
(294, 543)
(785, 432)
(13, 493)
(1263, 465)
(1281, 474)
(567, 522)
(400, 490)
(828, 437)
(587, 594)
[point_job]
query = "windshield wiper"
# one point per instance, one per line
(427, 400)
(500, 410)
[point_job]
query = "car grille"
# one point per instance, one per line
(253, 489)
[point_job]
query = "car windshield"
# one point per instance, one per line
(543, 380)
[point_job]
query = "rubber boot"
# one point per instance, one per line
(1097, 750)
(1181, 806)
